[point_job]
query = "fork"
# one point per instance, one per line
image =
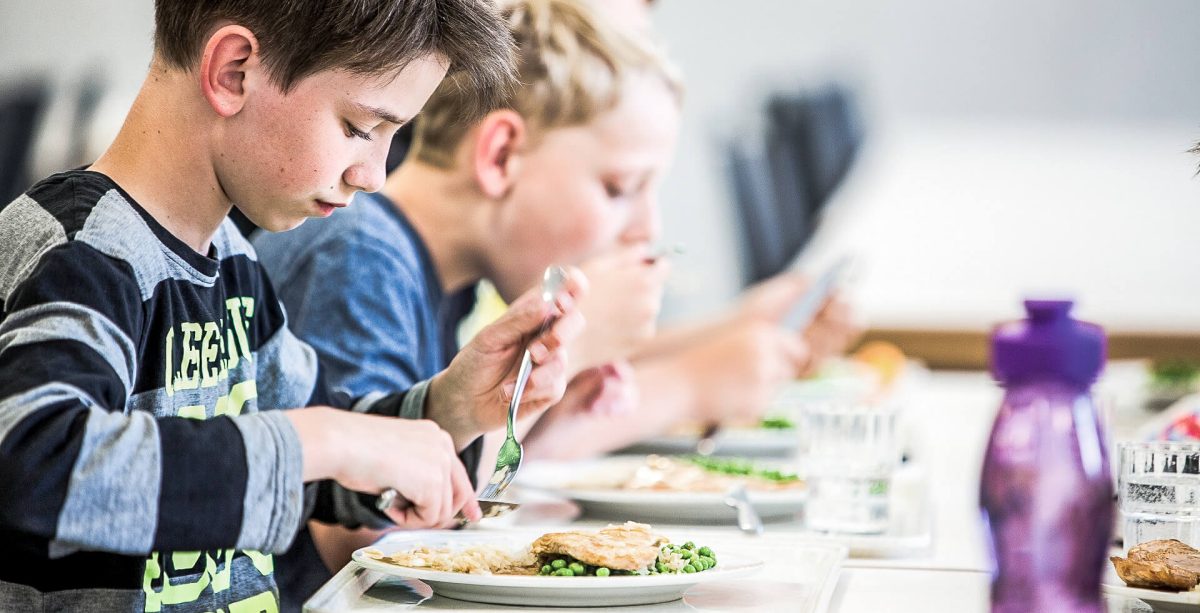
(748, 519)
(508, 460)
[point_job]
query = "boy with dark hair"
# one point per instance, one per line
(146, 461)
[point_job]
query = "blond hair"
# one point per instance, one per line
(572, 66)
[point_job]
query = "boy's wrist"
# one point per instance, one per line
(316, 443)
(446, 406)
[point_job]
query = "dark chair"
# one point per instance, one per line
(20, 106)
(783, 181)
(763, 247)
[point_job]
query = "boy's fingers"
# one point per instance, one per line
(576, 284)
(563, 332)
(773, 297)
(547, 381)
(797, 352)
(522, 319)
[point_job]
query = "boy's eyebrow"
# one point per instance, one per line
(380, 113)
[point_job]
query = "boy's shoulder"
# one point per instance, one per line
(369, 233)
(62, 202)
(84, 220)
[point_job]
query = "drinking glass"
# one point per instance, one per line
(1158, 485)
(849, 454)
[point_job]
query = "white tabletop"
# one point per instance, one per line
(948, 421)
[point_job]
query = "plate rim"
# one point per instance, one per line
(741, 566)
(1113, 584)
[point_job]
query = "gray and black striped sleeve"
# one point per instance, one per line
(77, 471)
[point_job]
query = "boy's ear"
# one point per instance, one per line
(496, 158)
(229, 56)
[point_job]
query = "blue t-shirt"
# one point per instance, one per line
(362, 289)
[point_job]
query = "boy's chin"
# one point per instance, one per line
(278, 223)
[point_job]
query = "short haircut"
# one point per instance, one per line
(572, 66)
(298, 38)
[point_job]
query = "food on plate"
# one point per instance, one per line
(776, 423)
(1165, 564)
(693, 474)
(886, 359)
(627, 549)
(476, 559)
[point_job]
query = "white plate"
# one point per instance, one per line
(1167, 602)
(744, 442)
(558, 478)
(538, 590)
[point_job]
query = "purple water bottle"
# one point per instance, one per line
(1046, 491)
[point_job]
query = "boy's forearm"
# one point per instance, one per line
(666, 397)
(676, 338)
(454, 415)
(315, 433)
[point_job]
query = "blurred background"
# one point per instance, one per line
(967, 154)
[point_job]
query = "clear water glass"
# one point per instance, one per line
(849, 454)
(1158, 485)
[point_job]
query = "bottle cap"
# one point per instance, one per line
(1049, 344)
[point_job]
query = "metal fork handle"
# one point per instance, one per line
(518, 390)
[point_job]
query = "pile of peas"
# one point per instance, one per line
(567, 566)
(698, 559)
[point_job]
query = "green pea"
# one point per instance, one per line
(660, 567)
(602, 572)
(685, 554)
(564, 572)
(558, 564)
(546, 569)
(689, 569)
(689, 545)
(705, 551)
(576, 568)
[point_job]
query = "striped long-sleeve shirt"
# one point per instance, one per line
(144, 461)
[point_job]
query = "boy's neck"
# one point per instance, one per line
(445, 212)
(161, 158)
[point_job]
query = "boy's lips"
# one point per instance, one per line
(328, 207)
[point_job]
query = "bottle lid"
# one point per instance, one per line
(1049, 344)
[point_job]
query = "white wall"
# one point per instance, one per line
(1107, 63)
(1103, 62)
(64, 38)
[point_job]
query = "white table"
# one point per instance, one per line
(949, 421)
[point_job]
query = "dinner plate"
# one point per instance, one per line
(562, 479)
(743, 442)
(1160, 601)
(539, 590)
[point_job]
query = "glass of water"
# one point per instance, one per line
(849, 454)
(1158, 484)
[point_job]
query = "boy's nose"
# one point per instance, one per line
(644, 225)
(367, 177)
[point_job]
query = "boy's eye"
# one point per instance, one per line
(355, 132)
(613, 191)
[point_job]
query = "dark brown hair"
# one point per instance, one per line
(298, 38)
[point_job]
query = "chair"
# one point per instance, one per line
(783, 179)
(20, 106)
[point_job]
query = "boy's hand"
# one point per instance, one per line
(370, 453)
(471, 396)
(622, 305)
(831, 331)
(738, 367)
(609, 389)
